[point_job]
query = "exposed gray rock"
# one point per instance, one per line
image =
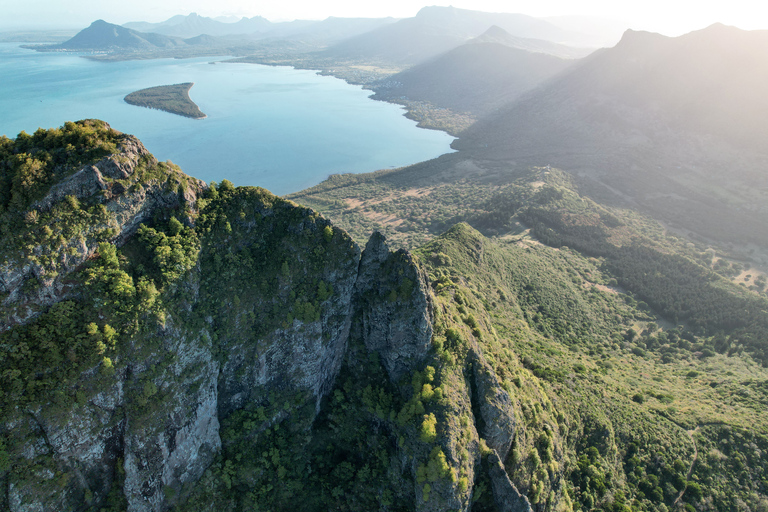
(505, 494)
(394, 307)
(84, 442)
(497, 416)
(174, 436)
(127, 210)
(83, 184)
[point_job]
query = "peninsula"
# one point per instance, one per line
(170, 98)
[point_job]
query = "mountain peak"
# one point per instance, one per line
(494, 32)
(632, 35)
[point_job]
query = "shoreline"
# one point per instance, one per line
(426, 115)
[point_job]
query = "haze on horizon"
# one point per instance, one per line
(669, 17)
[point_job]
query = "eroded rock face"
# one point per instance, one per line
(394, 307)
(173, 435)
(497, 417)
(126, 210)
(505, 495)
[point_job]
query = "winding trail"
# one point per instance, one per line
(693, 462)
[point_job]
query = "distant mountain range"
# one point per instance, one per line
(325, 32)
(480, 75)
(389, 42)
(435, 30)
(103, 35)
(195, 25)
(657, 120)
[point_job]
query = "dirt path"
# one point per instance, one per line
(693, 463)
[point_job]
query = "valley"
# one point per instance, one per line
(568, 313)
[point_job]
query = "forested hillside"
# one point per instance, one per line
(189, 347)
(567, 314)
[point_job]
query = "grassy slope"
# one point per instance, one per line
(615, 406)
(558, 330)
(597, 350)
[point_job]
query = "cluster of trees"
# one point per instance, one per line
(40, 359)
(30, 164)
(678, 288)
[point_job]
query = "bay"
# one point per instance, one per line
(276, 127)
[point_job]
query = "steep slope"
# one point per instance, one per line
(661, 121)
(103, 35)
(435, 30)
(228, 350)
(477, 77)
(635, 341)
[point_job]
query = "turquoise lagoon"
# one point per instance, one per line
(276, 127)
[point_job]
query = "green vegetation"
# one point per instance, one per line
(613, 336)
(534, 311)
(30, 164)
(169, 98)
(625, 365)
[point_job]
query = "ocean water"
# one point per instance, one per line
(275, 127)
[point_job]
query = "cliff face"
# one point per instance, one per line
(185, 322)
(118, 186)
(395, 310)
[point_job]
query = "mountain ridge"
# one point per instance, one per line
(539, 343)
(649, 117)
(479, 76)
(101, 34)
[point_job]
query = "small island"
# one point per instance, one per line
(170, 98)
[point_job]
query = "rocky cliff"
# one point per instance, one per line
(176, 341)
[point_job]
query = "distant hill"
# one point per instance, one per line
(435, 30)
(479, 76)
(194, 25)
(327, 31)
(602, 32)
(657, 120)
(103, 35)
(332, 29)
(496, 34)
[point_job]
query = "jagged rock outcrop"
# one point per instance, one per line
(395, 307)
(128, 200)
(249, 319)
(495, 415)
(505, 495)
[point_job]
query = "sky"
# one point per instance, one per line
(670, 17)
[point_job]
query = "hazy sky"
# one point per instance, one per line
(672, 17)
